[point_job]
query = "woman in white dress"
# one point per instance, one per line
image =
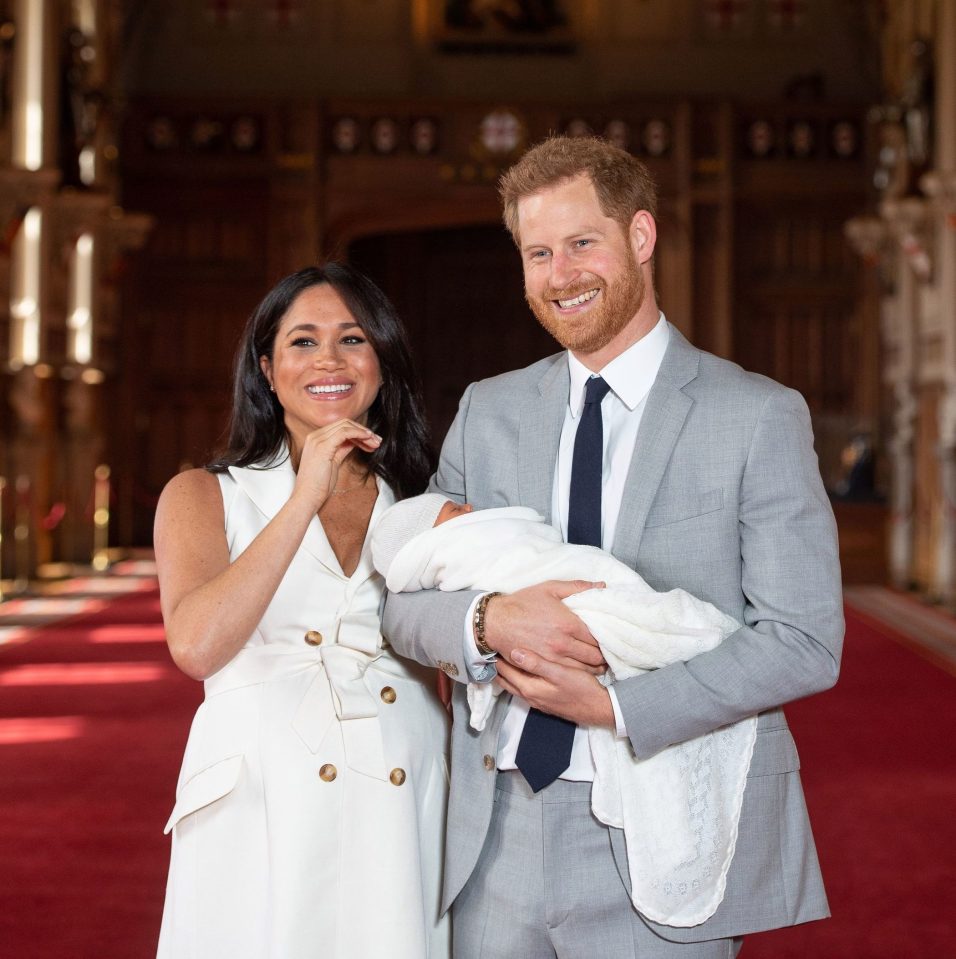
(310, 808)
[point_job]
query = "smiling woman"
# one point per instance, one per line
(331, 294)
(291, 782)
(322, 368)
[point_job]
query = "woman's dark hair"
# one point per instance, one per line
(257, 430)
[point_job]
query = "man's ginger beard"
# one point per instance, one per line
(619, 301)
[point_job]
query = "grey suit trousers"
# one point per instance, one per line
(546, 885)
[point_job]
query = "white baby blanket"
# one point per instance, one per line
(680, 808)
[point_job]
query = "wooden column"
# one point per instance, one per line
(50, 392)
(940, 185)
(900, 311)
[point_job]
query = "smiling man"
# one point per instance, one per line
(698, 475)
(582, 268)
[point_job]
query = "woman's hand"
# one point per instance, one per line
(211, 604)
(323, 453)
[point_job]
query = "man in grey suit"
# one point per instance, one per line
(698, 475)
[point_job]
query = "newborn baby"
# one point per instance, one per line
(679, 809)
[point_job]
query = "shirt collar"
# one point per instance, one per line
(630, 375)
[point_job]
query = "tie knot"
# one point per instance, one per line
(595, 390)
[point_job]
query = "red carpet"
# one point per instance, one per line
(94, 717)
(93, 721)
(879, 767)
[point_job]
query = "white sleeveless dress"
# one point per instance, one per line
(310, 810)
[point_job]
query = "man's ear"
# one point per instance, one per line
(266, 368)
(643, 236)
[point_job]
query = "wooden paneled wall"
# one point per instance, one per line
(751, 262)
(203, 271)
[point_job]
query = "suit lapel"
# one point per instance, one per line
(667, 408)
(538, 439)
(269, 488)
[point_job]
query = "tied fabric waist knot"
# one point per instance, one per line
(352, 704)
(345, 669)
(337, 692)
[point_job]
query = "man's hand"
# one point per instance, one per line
(536, 620)
(556, 689)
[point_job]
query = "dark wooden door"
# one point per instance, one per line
(461, 295)
(184, 306)
(796, 284)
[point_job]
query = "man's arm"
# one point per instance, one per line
(791, 641)
(427, 626)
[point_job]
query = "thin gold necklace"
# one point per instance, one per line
(350, 489)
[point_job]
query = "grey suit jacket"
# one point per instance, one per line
(724, 499)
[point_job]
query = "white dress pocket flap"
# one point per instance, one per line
(205, 787)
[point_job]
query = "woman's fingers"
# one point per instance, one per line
(325, 450)
(367, 441)
(341, 452)
(335, 442)
(346, 432)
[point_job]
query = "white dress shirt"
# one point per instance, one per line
(630, 376)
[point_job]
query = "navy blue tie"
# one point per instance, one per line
(544, 750)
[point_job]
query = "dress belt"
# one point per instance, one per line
(336, 692)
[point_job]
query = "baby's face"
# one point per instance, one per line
(450, 510)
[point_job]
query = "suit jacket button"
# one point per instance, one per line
(397, 776)
(489, 762)
(313, 637)
(328, 772)
(388, 694)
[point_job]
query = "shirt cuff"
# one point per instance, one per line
(620, 729)
(481, 668)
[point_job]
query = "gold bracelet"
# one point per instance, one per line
(478, 624)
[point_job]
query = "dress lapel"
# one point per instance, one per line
(269, 487)
(667, 408)
(538, 439)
